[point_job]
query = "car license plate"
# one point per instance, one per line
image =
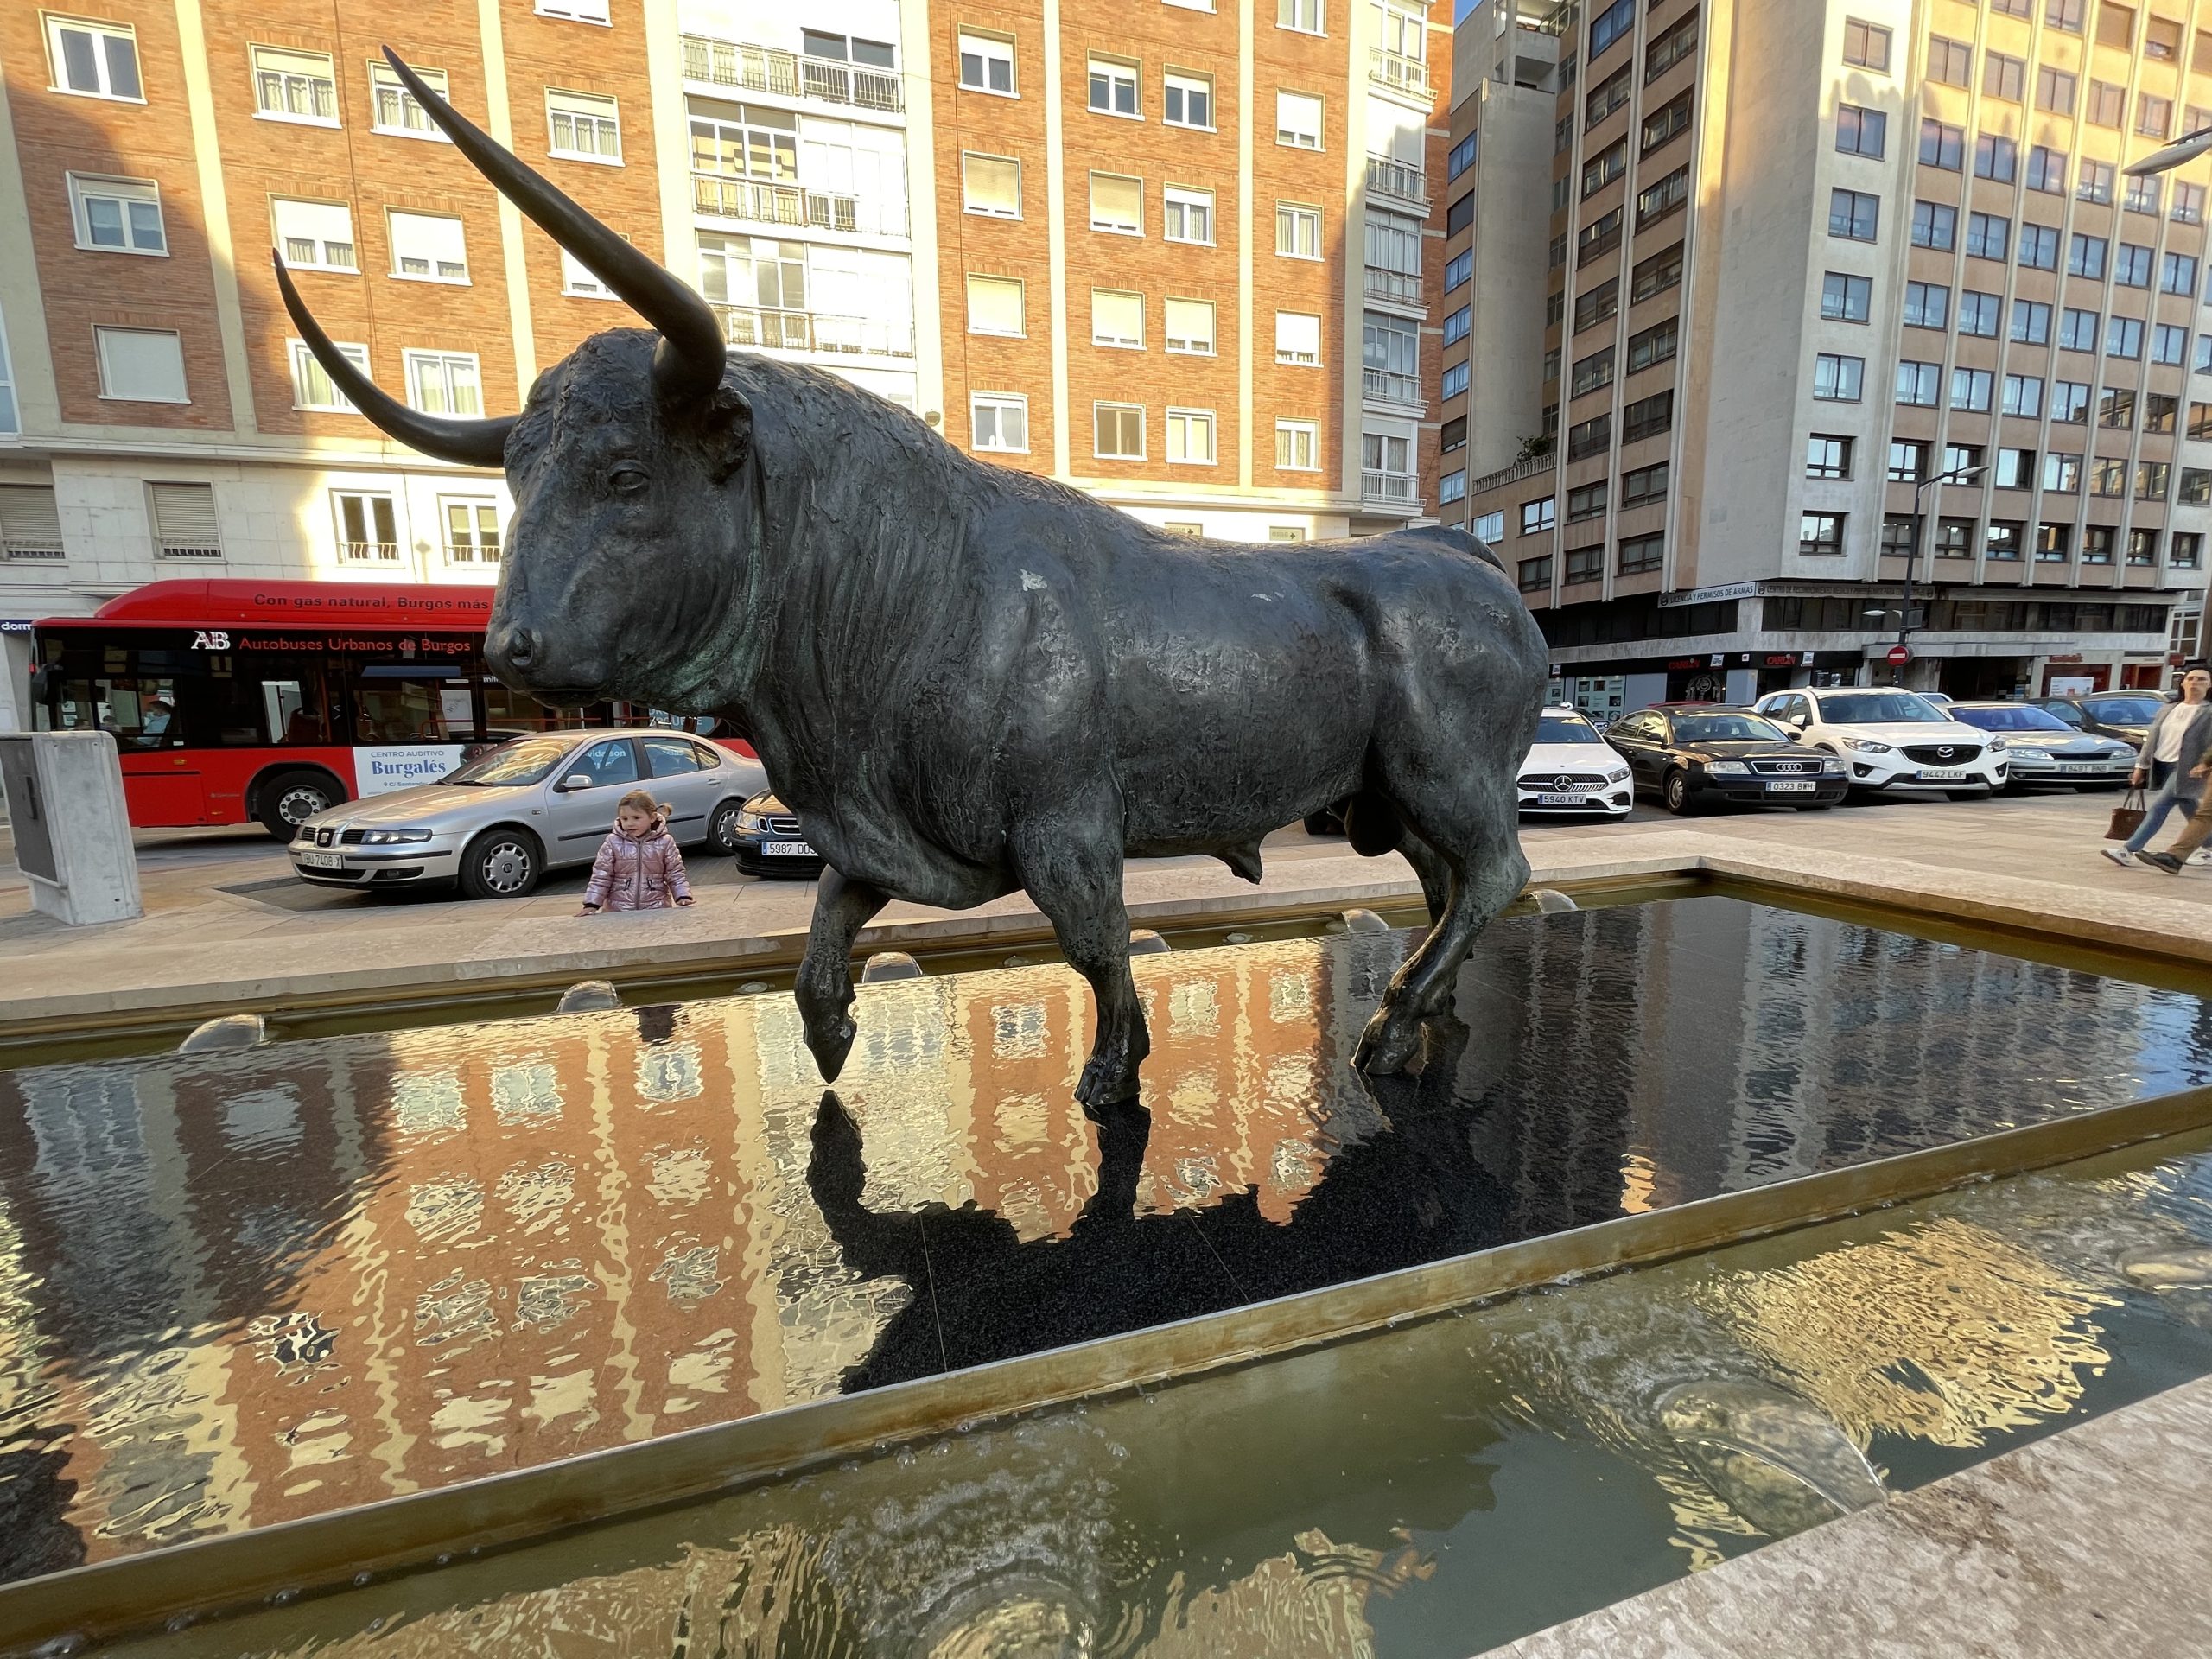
(321, 860)
(2080, 765)
(1792, 786)
(1562, 800)
(787, 849)
(1947, 774)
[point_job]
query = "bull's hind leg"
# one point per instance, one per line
(824, 988)
(1073, 871)
(1435, 874)
(1477, 844)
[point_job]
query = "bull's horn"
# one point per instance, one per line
(474, 443)
(689, 360)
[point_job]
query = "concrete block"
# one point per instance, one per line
(73, 831)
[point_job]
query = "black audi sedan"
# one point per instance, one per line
(1696, 755)
(770, 842)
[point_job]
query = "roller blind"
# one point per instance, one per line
(184, 521)
(994, 306)
(30, 527)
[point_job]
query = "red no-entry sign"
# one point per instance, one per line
(1900, 654)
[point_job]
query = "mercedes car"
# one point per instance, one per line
(1570, 768)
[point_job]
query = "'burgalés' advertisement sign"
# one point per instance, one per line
(380, 770)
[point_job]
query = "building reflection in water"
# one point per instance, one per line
(235, 1290)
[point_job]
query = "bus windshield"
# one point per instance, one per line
(523, 761)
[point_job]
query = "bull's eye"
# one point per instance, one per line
(628, 480)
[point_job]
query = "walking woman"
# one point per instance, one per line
(2173, 750)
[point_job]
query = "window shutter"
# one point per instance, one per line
(184, 521)
(30, 526)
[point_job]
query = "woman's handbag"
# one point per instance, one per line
(2127, 817)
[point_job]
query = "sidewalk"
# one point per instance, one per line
(226, 922)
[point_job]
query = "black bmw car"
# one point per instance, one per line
(770, 842)
(1696, 755)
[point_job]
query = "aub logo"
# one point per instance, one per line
(210, 639)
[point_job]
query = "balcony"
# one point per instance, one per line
(1390, 490)
(1383, 386)
(28, 548)
(762, 202)
(369, 552)
(1401, 287)
(1398, 72)
(1388, 176)
(762, 328)
(789, 74)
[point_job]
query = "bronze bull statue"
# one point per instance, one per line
(967, 680)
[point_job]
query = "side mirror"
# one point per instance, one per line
(577, 780)
(1794, 732)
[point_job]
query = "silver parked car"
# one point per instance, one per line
(497, 824)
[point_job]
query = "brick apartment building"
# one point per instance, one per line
(1794, 263)
(1184, 268)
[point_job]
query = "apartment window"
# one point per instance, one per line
(1866, 45)
(1534, 575)
(1298, 338)
(2154, 116)
(1608, 95)
(2064, 14)
(1656, 275)
(1827, 457)
(1117, 431)
(2131, 265)
(2030, 323)
(2178, 273)
(1852, 214)
(2108, 104)
(2023, 397)
(573, 11)
(2169, 343)
(2159, 412)
(1586, 502)
(2116, 408)
(1977, 314)
(1846, 298)
(1539, 515)
(2150, 480)
(2096, 183)
(2188, 199)
(367, 527)
(1655, 345)
(2054, 543)
(2001, 539)
(1589, 438)
(1642, 553)
(312, 386)
(1298, 120)
(1935, 225)
(1950, 63)
(1995, 157)
(1987, 236)
(394, 107)
(1908, 461)
(2124, 337)
(1456, 324)
(1603, 168)
(1462, 214)
(994, 305)
(2096, 544)
(2108, 477)
(1670, 48)
(1820, 535)
(1116, 204)
(1644, 484)
(1585, 564)
(1943, 145)
(1304, 16)
(2015, 469)
(987, 64)
(1458, 268)
(443, 382)
(1453, 434)
(1190, 326)
(1452, 486)
(98, 60)
(2184, 547)
(1187, 100)
(1960, 457)
(583, 127)
(315, 235)
(1597, 239)
(2069, 403)
(2062, 474)
(1971, 389)
(141, 365)
(2143, 546)
(990, 185)
(1897, 536)
(2039, 247)
(1861, 131)
(2115, 25)
(2047, 170)
(1659, 200)
(1298, 231)
(2002, 77)
(999, 422)
(471, 531)
(1669, 120)
(2142, 196)
(1186, 215)
(1116, 319)
(1926, 305)
(1189, 436)
(2085, 257)
(1649, 416)
(2055, 91)
(118, 215)
(294, 85)
(1298, 446)
(1591, 372)
(429, 247)
(1953, 539)
(1917, 383)
(1838, 379)
(1454, 382)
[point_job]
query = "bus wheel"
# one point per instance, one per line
(290, 799)
(501, 864)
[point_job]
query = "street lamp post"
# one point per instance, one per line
(1956, 475)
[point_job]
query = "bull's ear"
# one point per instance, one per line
(729, 431)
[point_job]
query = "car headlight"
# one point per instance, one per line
(1867, 746)
(1620, 777)
(1829, 768)
(385, 837)
(751, 824)
(1996, 744)
(1727, 767)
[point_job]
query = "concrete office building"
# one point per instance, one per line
(1802, 261)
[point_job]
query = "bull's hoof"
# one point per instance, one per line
(1106, 1082)
(831, 1042)
(1388, 1044)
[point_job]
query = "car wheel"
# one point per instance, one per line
(1676, 791)
(721, 829)
(501, 864)
(290, 799)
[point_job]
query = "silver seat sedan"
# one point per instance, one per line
(536, 803)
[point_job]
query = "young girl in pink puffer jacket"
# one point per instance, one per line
(639, 866)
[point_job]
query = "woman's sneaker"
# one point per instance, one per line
(2165, 861)
(2118, 854)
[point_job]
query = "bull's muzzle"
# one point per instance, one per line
(520, 655)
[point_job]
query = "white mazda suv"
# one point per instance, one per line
(1892, 740)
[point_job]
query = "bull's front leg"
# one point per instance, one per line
(1074, 873)
(824, 990)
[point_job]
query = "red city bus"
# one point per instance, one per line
(237, 701)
